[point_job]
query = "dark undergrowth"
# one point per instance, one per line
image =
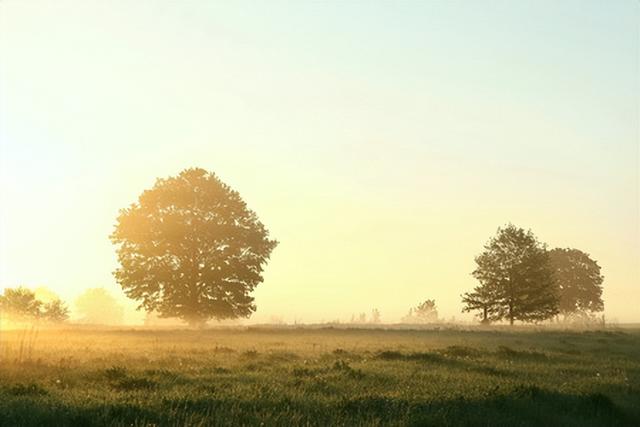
(526, 406)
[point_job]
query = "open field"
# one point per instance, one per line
(319, 377)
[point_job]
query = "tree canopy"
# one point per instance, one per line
(578, 279)
(516, 280)
(191, 248)
(55, 311)
(21, 305)
(482, 299)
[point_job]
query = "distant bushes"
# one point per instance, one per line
(425, 312)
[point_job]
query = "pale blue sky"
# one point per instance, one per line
(381, 142)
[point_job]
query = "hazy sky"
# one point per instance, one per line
(382, 143)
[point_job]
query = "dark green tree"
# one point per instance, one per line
(516, 279)
(191, 248)
(483, 301)
(579, 281)
(55, 311)
(19, 304)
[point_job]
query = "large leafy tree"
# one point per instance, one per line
(516, 280)
(191, 248)
(579, 281)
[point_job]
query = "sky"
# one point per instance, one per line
(382, 143)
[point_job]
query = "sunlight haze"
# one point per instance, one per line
(378, 142)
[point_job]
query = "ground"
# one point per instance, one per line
(350, 377)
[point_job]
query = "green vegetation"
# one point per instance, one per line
(520, 280)
(20, 304)
(348, 377)
(190, 248)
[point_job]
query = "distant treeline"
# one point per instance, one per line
(191, 249)
(21, 305)
(93, 306)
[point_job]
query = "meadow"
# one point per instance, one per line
(319, 376)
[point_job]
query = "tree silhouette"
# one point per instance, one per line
(190, 248)
(425, 312)
(516, 279)
(20, 304)
(375, 316)
(55, 311)
(579, 281)
(482, 300)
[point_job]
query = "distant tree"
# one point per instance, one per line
(97, 306)
(22, 305)
(55, 311)
(516, 279)
(579, 281)
(426, 312)
(375, 316)
(191, 248)
(409, 317)
(19, 304)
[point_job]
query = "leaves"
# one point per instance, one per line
(21, 304)
(516, 280)
(579, 281)
(191, 248)
(55, 311)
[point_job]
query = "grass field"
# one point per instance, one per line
(291, 377)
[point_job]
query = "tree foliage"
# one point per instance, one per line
(482, 299)
(191, 248)
(55, 311)
(578, 279)
(425, 312)
(21, 305)
(516, 280)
